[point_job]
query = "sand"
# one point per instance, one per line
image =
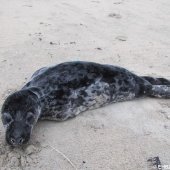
(128, 33)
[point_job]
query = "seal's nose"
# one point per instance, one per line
(17, 141)
(12, 141)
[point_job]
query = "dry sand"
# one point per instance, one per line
(129, 33)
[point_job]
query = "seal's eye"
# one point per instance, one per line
(6, 118)
(30, 118)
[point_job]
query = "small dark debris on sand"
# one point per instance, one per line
(154, 163)
(98, 48)
(28, 5)
(73, 42)
(51, 43)
(96, 1)
(114, 15)
(116, 3)
(121, 38)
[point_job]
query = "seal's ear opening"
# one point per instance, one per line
(6, 119)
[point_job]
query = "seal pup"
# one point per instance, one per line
(63, 91)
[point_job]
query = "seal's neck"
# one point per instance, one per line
(35, 91)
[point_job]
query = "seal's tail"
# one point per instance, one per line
(160, 87)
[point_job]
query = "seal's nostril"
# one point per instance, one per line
(21, 140)
(12, 140)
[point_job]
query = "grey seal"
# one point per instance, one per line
(63, 91)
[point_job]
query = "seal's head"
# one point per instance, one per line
(20, 112)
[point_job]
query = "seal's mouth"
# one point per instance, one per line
(19, 146)
(16, 142)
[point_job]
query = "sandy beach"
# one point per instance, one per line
(128, 33)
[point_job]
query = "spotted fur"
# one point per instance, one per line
(67, 89)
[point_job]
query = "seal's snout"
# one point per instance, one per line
(18, 133)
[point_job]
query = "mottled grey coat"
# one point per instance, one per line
(67, 89)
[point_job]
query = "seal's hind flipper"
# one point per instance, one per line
(160, 91)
